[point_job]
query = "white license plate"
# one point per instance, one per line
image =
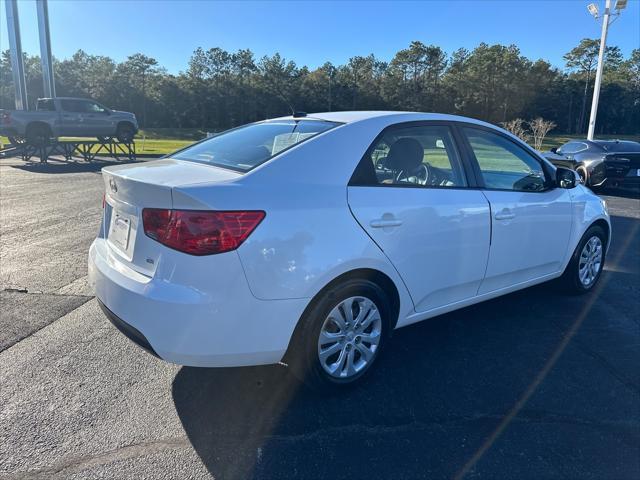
(120, 230)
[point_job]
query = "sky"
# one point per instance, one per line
(311, 33)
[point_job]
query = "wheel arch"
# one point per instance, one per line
(37, 123)
(122, 123)
(604, 225)
(376, 276)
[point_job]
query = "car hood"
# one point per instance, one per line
(124, 114)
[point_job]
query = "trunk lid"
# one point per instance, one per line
(131, 188)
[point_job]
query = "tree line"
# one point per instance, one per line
(221, 89)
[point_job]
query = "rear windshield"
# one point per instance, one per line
(45, 104)
(244, 148)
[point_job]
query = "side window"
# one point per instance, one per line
(504, 164)
(92, 107)
(73, 106)
(418, 155)
(45, 104)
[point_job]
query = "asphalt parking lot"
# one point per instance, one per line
(531, 385)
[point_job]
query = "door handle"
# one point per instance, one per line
(385, 223)
(504, 214)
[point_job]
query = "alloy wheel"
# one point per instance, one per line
(350, 337)
(590, 261)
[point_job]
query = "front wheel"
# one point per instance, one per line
(585, 268)
(342, 335)
(583, 174)
(125, 133)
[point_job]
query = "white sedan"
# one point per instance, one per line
(308, 239)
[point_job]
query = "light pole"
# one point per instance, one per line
(607, 19)
(46, 58)
(17, 61)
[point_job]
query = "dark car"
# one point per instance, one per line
(600, 163)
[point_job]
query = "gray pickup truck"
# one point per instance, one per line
(67, 117)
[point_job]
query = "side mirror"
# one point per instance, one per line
(554, 150)
(566, 178)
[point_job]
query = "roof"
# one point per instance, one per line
(357, 116)
(66, 98)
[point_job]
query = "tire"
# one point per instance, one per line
(125, 133)
(584, 174)
(38, 135)
(585, 260)
(351, 349)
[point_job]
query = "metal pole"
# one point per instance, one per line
(17, 61)
(596, 86)
(45, 49)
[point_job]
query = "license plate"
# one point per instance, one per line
(120, 229)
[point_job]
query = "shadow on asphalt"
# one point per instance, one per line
(439, 392)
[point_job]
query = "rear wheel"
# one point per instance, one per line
(342, 335)
(38, 135)
(585, 267)
(125, 132)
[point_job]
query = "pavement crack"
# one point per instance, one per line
(26, 291)
(74, 464)
(35, 333)
(15, 290)
(524, 417)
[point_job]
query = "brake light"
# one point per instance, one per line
(200, 232)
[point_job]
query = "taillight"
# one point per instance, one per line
(200, 232)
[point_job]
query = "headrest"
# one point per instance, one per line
(405, 154)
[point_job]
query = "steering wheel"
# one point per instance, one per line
(421, 175)
(424, 174)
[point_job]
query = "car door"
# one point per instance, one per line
(410, 193)
(531, 218)
(97, 119)
(71, 122)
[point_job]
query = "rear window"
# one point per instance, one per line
(246, 147)
(45, 104)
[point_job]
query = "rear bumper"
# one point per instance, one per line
(8, 132)
(127, 330)
(623, 182)
(615, 174)
(211, 320)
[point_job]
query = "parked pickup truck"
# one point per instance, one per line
(67, 117)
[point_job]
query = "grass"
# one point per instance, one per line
(167, 140)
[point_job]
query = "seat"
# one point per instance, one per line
(404, 157)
